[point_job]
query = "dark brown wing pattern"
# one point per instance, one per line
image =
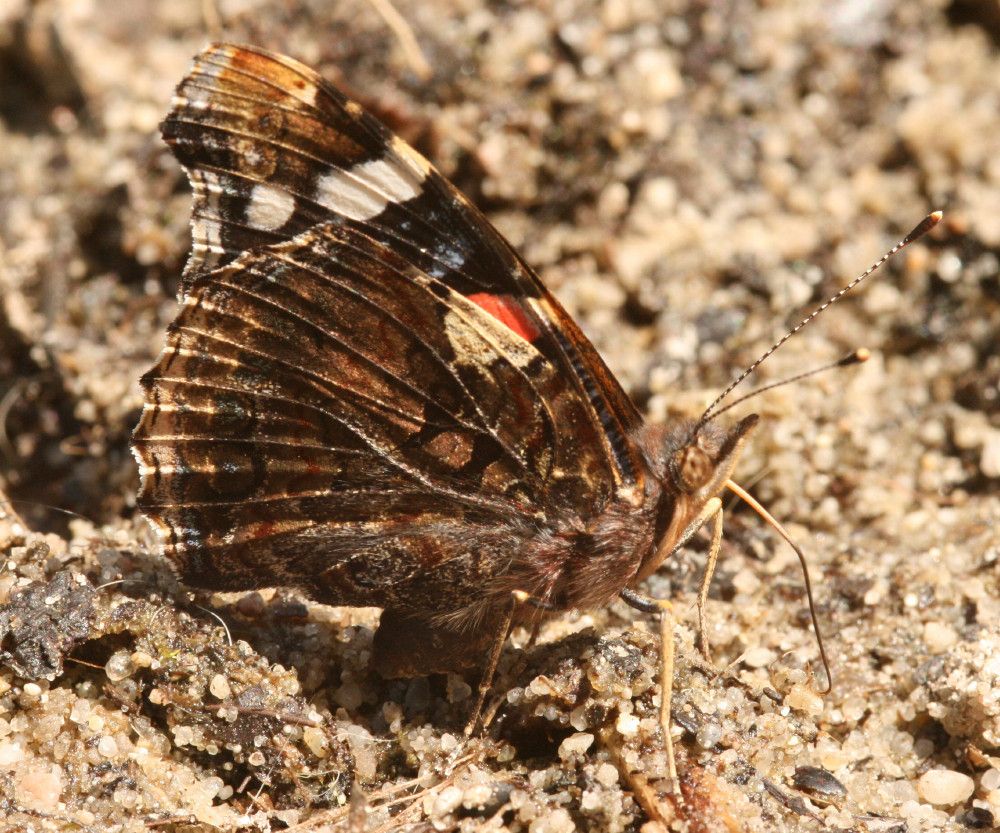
(365, 384)
(272, 149)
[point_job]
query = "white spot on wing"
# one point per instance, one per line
(365, 190)
(192, 97)
(148, 470)
(269, 207)
(199, 302)
(206, 230)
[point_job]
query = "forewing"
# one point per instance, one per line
(272, 150)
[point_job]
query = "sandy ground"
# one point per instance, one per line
(689, 178)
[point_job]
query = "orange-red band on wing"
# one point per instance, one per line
(508, 311)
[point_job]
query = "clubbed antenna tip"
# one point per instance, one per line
(923, 227)
(859, 356)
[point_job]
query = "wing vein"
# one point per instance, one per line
(380, 453)
(487, 424)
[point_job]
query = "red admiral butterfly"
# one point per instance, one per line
(368, 395)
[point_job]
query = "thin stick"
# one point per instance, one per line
(667, 687)
(404, 34)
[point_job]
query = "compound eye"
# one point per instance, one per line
(694, 467)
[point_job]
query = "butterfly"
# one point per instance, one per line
(368, 395)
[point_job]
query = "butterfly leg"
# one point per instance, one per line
(665, 612)
(713, 557)
(486, 681)
(520, 597)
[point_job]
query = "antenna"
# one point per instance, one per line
(859, 356)
(918, 231)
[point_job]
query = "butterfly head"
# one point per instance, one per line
(702, 460)
(690, 462)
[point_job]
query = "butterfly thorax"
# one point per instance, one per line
(584, 562)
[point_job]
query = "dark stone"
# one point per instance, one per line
(816, 780)
(978, 818)
(44, 621)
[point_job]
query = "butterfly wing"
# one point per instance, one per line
(366, 392)
(326, 380)
(272, 149)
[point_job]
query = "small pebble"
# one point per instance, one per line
(575, 744)
(746, 581)
(251, 605)
(555, 821)
(349, 696)
(39, 789)
(119, 666)
(979, 818)
(759, 657)
(458, 689)
(939, 637)
(708, 735)
(219, 686)
(804, 699)
(814, 779)
(316, 739)
(989, 459)
(363, 748)
(606, 775)
(477, 796)
(140, 659)
(541, 685)
(944, 787)
(627, 725)
(211, 786)
(10, 754)
(447, 801)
